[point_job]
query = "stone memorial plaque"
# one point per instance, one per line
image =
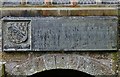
(60, 33)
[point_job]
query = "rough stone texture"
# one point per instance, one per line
(49, 61)
(28, 63)
(62, 61)
(29, 67)
(0, 69)
(44, 62)
(73, 61)
(118, 68)
(92, 66)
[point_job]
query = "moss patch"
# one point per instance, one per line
(3, 70)
(115, 58)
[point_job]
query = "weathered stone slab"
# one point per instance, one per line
(16, 35)
(60, 33)
(74, 33)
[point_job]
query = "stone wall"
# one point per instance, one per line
(64, 61)
(28, 63)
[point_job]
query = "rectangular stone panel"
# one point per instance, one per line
(16, 35)
(60, 34)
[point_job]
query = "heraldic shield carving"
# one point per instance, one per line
(18, 32)
(16, 35)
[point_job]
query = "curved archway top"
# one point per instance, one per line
(62, 61)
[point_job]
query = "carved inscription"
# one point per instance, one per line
(60, 34)
(74, 33)
(16, 35)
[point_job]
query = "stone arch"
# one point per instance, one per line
(62, 61)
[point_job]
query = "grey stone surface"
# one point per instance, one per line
(17, 35)
(73, 62)
(29, 67)
(62, 61)
(63, 33)
(10, 66)
(49, 61)
(91, 66)
(74, 33)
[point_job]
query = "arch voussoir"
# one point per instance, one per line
(62, 61)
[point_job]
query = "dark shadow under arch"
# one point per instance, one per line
(62, 73)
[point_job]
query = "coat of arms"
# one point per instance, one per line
(17, 32)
